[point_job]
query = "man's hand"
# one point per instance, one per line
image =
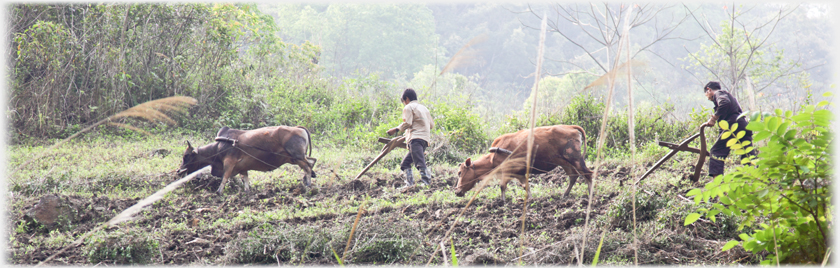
(711, 121)
(392, 131)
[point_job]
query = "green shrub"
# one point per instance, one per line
(586, 111)
(460, 125)
(784, 193)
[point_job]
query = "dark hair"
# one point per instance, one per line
(410, 94)
(713, 85)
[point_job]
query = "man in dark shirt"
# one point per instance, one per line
(726, 108)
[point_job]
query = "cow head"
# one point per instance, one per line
(467, 177)
(191, 162)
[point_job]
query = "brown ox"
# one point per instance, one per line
(263, 149)
(554, 146)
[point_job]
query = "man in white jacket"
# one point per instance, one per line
(418, 124)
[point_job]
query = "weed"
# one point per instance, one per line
(122, 247)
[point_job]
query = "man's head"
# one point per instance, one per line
(408, 96)
(710, 89)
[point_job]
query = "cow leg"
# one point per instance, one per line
(307, 171)
(503, 188)
(573, 176)
(246, 182)
(311, 162)
(523, 181)
(582, 170)
(229, 163)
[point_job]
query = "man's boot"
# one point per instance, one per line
(425, 177)
(409, 178)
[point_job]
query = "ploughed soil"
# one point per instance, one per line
(489, 232)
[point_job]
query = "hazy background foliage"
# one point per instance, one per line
(338, 69)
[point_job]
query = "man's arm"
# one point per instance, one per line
(408, 118)
(712, 120)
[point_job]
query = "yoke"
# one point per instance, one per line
(228, 134)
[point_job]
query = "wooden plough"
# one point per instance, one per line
(683, 147)
(390, 144)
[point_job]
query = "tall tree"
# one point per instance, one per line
(741, 53)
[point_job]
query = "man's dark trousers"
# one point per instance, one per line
(415, 155)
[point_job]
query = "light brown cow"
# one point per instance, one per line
(263, 149)
(554, 146)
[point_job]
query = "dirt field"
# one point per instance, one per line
(195, 226)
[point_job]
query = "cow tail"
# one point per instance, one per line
(308, 138)
(583, 145)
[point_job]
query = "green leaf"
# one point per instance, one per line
(761, 135)
(741, 134)
(763, 193)
(725, 135)
(454, 258)
(822, 115)
(822, 103)
(755, 126)
(799, 118)
(790, 134)
(693, 192)
(598, 251)
(729, 245)
(730, 142)
(691, 218)
(751, 245)
(778, 111)
(341, 263)
(744, 237)
(734, 127)
(828, 94)
(755, 116)
(788, 113)
(723, 124)
(772, 124)
(782, 128)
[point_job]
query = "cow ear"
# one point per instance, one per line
(468, 162)
(190, 149)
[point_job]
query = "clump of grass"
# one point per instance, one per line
(270, 244)
(384, 242)
(647, 207)
(122, 247)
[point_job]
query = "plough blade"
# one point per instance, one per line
(390, 144)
